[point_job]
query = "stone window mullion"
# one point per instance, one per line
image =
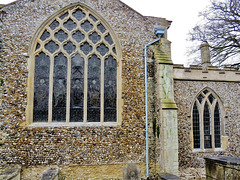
(212, 126)
(85, 90)
(201, 109)
(102, 91)
(68, 89)
(50, 89)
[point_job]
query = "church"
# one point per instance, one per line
(89, 86)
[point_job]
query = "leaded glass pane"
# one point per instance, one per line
(59, 88)
(61, 35)
(102, 49)
(207, 127)
(78, 36)
(211, 98)
(114, 50)
(51, 46)
(86, 48)
(200, 98)
(54, 25)
(69, 47)
(110, 91)
(78, 14)
(108, 38)
(41, 88)
(94, 37)
(217, 127)
(196, 127)
(70, 25)
(77, 89)
(87, 26)
(37, 46)
(63, 16)
(93, 18)
(45, 35)
(101, 28)
(94, 77)
(205, 91)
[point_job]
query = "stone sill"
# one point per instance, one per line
(75, 124)
(208, 150)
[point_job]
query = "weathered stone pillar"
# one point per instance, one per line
(167, 156)
(205, 55)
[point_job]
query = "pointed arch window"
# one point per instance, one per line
(207, 123)
(76, 62)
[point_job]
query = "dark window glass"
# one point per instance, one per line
(94, 37)
(78, 36)
(61, 35)
(196, 126)
(211, 98)
(77, 89)
(217, 127)
(93, 18)
(87, 26)
(200, 98)
(86, 48)
(207, 127)
(37, 46)
(69, 47)
(78, 14)
(108, 38)
(59, 88)
(94, 77)
(45, 35)
(114, 50)
(70, 25)
(101, 28)
(63, 16)
(205, 91)
(41, 88)
(110, 80)
(51, 46)
(54, 25)
(102, 49)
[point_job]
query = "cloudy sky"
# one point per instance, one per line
(182, 13)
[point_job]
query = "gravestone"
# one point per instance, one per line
(50, 174)
(131, 172)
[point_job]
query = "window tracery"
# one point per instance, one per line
(206, 121)
(75, 77)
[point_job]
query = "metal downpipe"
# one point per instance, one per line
(159, 33)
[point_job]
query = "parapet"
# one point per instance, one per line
(209, 73)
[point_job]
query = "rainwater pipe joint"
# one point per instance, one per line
(159, 33)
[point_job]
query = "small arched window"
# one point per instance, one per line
(207, 123)
(76, 69)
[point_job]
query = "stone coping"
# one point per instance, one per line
(225, 160)
(199, 67)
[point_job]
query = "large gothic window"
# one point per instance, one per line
(75, 77)
(206, 121)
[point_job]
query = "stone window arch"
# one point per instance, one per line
(208, 122)
(75, 69)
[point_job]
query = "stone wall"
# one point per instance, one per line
(40, 146)
(186, 87)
